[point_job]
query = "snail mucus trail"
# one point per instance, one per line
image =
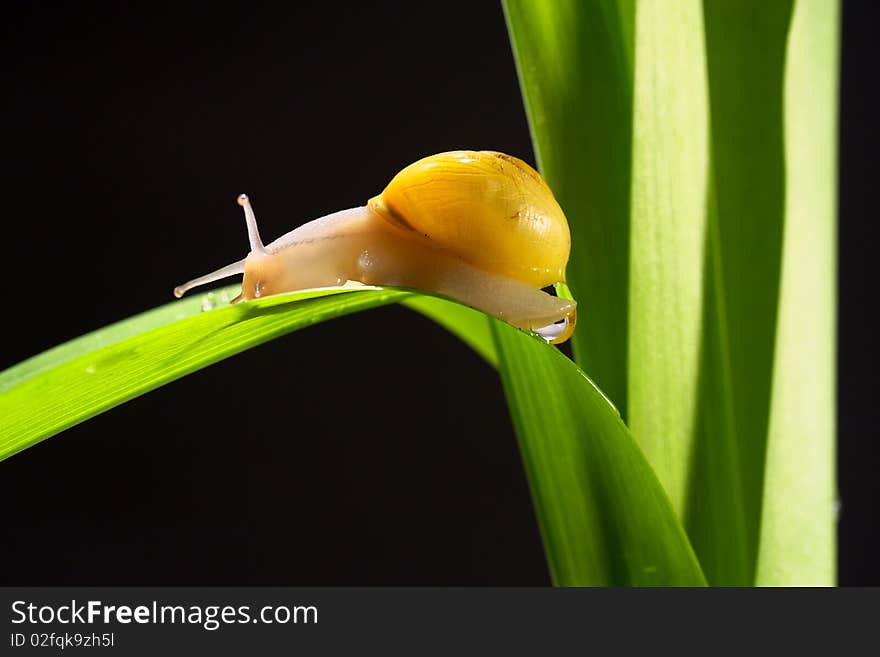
(478, 226)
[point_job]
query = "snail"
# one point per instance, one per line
(480, 227)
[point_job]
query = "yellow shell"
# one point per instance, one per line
(490, 209)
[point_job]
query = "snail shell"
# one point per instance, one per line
(492, 210)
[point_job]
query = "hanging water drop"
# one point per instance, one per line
(552, 331)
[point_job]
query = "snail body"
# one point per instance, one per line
(480, 227)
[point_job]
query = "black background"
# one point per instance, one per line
(373, 449)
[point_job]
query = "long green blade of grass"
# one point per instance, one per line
(724, 113)
(605, 518)
(669, 196)
(574, 60)
(617, 99)
(745, 51)
(797, 541)
(87, 376)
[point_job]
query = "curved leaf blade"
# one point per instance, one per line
(87, 376)
(604, 516)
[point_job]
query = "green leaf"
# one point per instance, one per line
(574, 60)
(77, 380)
(797, 541)
(692, 147)
(669, 196)
(617, 101)
(761, 489)
(745, 50)
(596, 495)
(604, 517)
